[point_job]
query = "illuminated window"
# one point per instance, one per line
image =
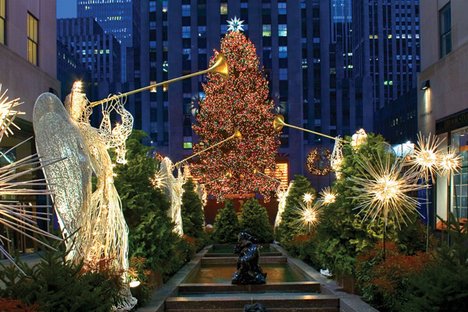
(223, 9)
(266, 31)
(186, 10)
(282, 30)
(282, 8)
(33, 39)
(280, 173)
(2, 21)
(283, 51)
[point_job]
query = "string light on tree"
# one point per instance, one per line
(239, 102)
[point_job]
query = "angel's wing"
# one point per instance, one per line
(57, 136)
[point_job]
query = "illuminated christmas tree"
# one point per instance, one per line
(239, 102)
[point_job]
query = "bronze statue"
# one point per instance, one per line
(248, 270)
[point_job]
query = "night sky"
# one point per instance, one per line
(66, 8)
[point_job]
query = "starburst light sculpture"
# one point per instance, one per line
(8, 113)
(15, 181)
(327, 196)
(426, 156)
(383, 189)
(309, 215)
(449, 162)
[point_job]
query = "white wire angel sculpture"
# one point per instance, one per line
(94, 215)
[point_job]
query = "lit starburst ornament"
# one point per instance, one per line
(309, 215)
(383, 191)
(307, 198)
(8, 113)
(425, 159)
(235, 24)
(449, 162)
(328, 197)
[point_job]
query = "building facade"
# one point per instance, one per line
(98, 52)
(303, 61)
(28, 69)
(442, 96)
(386, 55)
(115, 17)
(28, 50)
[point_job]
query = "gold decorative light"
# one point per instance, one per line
(318, 161)
(307, 198)
(426, 156)
(308, 215)
(8, 113)
(328, 197)
(359, 138)
(336, 159)
(383, 190)
(449, 162)
(281, 195)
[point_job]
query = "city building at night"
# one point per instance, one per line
(28, 69)
(99, 52)
(442, 96)
(115, 17)
(302, 57)
(386, 56)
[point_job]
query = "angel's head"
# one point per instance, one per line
(76, 101)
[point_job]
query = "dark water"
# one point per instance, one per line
(222, 273)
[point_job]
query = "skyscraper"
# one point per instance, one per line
(99, 52)
(115, 17)
(386, 54)
(296, 47)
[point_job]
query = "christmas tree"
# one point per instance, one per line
(226, 225)
(239, 102)
(192, 211)
(254, 220)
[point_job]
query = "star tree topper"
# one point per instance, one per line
(235, 24)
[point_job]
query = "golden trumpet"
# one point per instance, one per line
(278, 124)
(220, 66)
(236, 135)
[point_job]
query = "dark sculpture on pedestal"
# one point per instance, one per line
(248, 270)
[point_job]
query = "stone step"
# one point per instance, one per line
(235, 302)
(233, 260)
(304, 287)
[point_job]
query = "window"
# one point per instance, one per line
(445, 30)
(282, 30)
(283, 74)
(2, 21)
(283, 52)
(33, 39)
(281, 8)
(223, 9)
(266, 31)
(185, 31)
(186, 10)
